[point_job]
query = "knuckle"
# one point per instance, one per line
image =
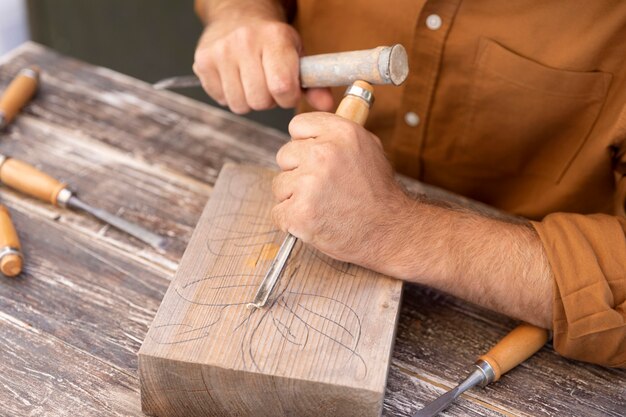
(281, 85)
(237, 103)
(202, 61)
(281, 155)
(215, 93)
(218, 49)
(295, 123)
(320, 154)
(278, 30)
(244, 36)
(239, 108)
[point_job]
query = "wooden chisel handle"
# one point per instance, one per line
(10, 248)
(18, 94)
(356, 103)
(523, 342)
(29, 180)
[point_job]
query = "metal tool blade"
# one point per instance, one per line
(180, 81)
(132, 229)
(273, 273)
(475, 378)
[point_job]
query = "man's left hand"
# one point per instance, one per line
(337, 191)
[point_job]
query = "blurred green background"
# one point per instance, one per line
(147, 39)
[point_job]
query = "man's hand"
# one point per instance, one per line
(248, 59)
(337, 190)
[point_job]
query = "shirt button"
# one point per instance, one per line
(411, 119)
(433, 22)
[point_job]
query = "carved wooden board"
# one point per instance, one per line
(321, 347)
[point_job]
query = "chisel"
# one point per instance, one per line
(29, 180)
(380, 65)
(355, 106)
(11, 258)
(18, 94)
(509, 352)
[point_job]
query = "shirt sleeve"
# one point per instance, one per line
(587, 254)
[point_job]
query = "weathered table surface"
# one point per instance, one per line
(71, 325)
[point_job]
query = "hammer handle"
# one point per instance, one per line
(29, 180)
(18, 94)
(523, 342)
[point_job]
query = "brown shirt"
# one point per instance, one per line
(521, 105)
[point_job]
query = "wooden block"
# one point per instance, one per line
(321, 347)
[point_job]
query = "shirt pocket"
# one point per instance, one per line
(525, 118)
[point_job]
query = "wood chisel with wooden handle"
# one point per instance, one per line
(11, 258)
(29, 180)
(18, 94)
(523, 342)
(355, 106)
(381, 65)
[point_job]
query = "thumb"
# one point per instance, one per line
(320, 99)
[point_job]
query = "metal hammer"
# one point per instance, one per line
(381, 65)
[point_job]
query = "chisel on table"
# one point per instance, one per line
(11, 258)
(18, 94)
(354, 106)
(509, 352)
(29, 180)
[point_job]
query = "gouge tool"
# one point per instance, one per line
(11, 258)
(512, 350)
(29, 180)
(354, 106)
(18, 94)
(381, 65)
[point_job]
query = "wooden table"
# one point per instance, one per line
(71, 325)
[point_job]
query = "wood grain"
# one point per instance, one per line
(58, 379)
(324, 340)
(165, 202)
(95, 298)
(81, 310)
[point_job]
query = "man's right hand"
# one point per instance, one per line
(252, 63)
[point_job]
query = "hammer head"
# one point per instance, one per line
(381, 65)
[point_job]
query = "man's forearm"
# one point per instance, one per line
(489, 262)
(209, 10)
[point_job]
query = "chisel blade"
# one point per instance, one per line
(273, 273)
(441, 403)
(180, 81)
(132, 229)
